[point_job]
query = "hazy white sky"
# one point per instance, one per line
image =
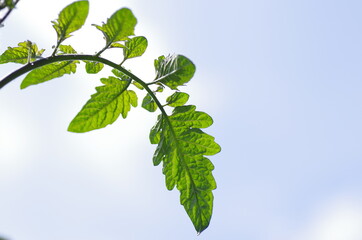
(282, 80)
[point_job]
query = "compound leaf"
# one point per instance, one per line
(25, 52)
(104, 107)
(135, 47)
(70, 19)
(181, 147)
(118, 27)
(49, 72)
(174, 70)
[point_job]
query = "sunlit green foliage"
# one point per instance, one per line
(118, 27)
(135, 47)
(66, 49)
(177, 99)
(93, 67)
(49, 72)
(182, 146)
(174, 70)
(111, 100)
(70, 19)
(24, 53)
(149, 104)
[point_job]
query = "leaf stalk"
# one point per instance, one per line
(72, 57)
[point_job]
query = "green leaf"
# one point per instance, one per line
(195, 141)
(67, 49)
(186, 116)
(104, 107)
(119, 26)
(174, 71)
(139, 86)
(198, 199)
(135, 47)
(117, 45)
(93, 67)
(177, 99)
(160, 89)
(70, 19)
(123, 76)
(9, 3)
(49, 72)
(181, 148)
(155, 134)
(149, 104)
(120, 74)
(24, 53)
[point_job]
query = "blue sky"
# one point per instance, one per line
(282, 80)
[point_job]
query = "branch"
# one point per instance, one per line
(8, 12)
(61, 58)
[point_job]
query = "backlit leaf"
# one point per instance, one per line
(117, 45)
(49, 72)
(93, 67)
(160, 88)
(177, 99)
(120, 74)
(137, 85)
(135, 47)
(104, 107)
(119, 26)
(186, 116)
(70, 19)
(155, 134)
(67, 49)
(174, 71)
(24, 53)
(181, 148)
(149, 104)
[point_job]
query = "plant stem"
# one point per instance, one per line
(56, 48)
(8, 12)
(104, 49)
(70, 57)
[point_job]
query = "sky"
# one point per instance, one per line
(282, 81)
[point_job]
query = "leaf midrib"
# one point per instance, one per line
(57, 70)
(64, 34)
(183, 162)
(113, 99)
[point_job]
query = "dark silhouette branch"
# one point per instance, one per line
(8, 12)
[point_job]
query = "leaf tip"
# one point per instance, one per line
(23, 85)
